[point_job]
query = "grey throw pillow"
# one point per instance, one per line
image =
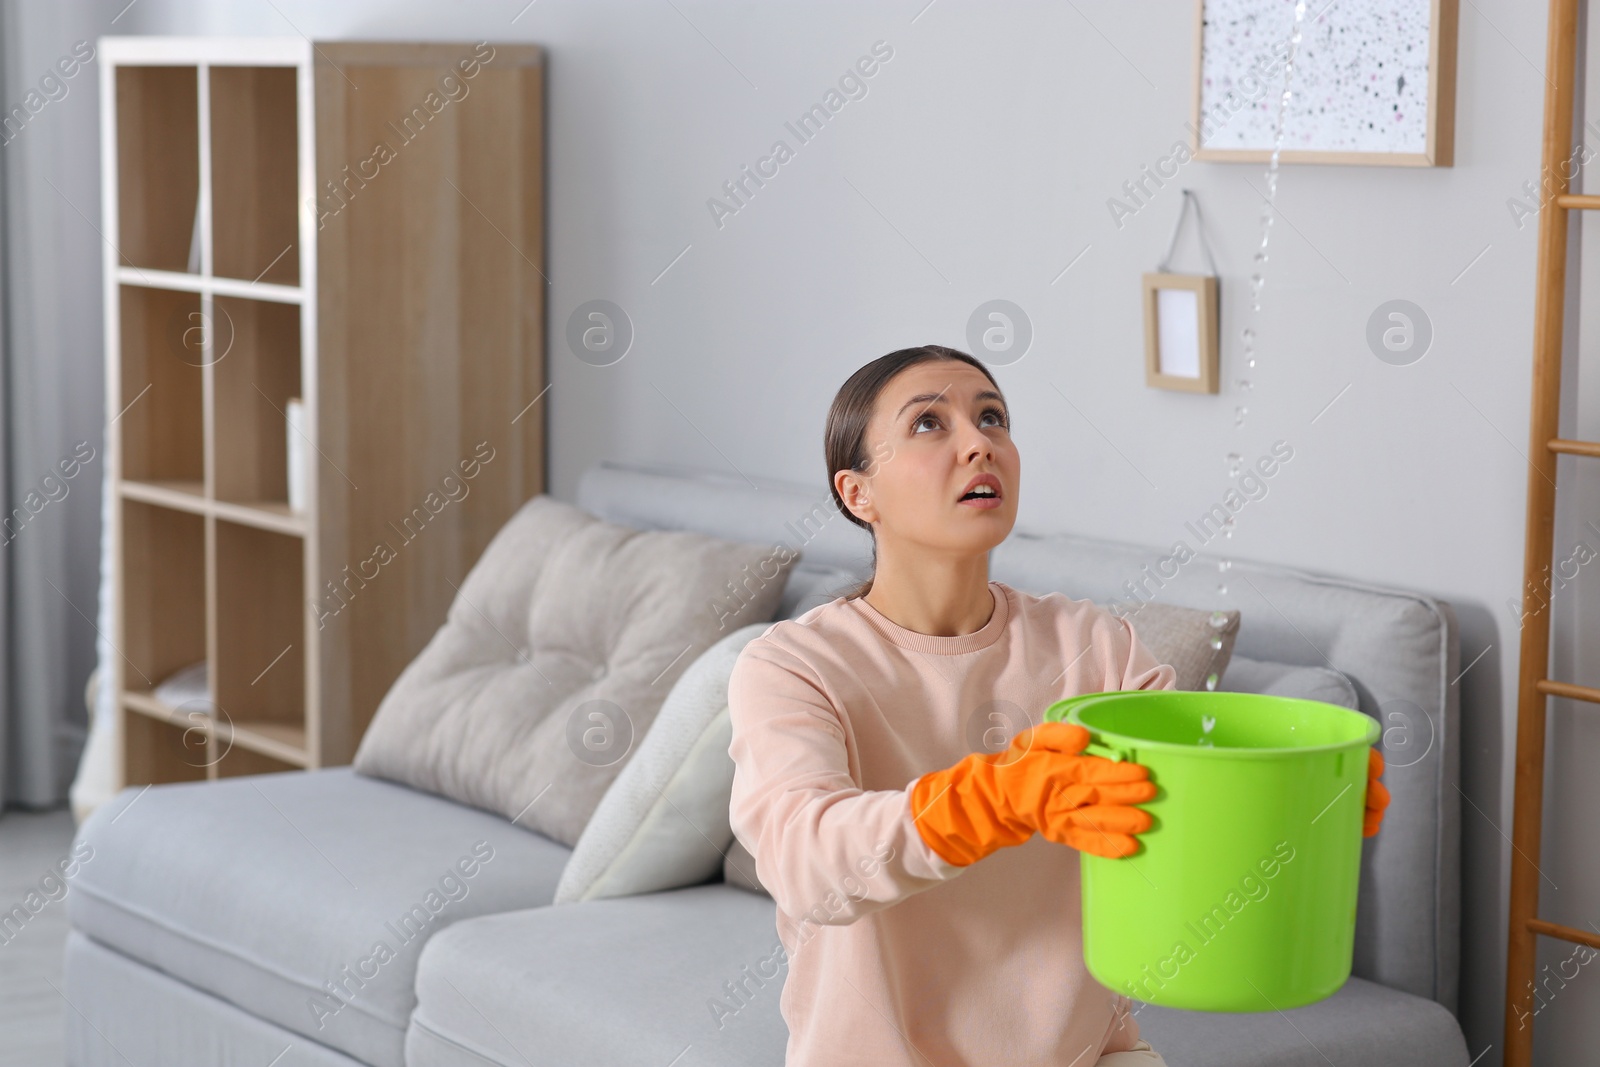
(1291, 680)
(557, 653)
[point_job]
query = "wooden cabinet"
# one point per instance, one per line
(357, 228)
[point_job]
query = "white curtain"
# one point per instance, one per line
(52, 399)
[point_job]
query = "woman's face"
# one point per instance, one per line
(937, 426)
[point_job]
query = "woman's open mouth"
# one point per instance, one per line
(982, 492)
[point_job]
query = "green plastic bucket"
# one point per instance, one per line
(1242, 896)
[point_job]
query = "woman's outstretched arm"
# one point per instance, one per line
(826, 849)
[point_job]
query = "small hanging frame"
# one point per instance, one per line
(1182, 318)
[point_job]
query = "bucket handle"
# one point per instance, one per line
(1096, 747)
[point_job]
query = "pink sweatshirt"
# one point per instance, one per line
(895, 956)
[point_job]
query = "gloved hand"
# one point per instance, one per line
(1377, 794)
(1038, 782)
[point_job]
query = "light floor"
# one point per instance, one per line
(30, 963)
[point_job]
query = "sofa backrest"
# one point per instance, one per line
(1399, 648)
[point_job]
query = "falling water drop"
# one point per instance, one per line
(1211, 681)
(1239, 413)
(1216, 642)
(1218, 619)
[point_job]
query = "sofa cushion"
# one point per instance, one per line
(302, 897)
(700, 974)
(554, 659)
(123, 1013)
(663, 823)
(692, 973)
(1363, 1023)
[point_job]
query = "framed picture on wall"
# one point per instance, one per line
(1181, 331)
(1373, 82)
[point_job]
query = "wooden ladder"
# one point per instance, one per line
(1545, 445)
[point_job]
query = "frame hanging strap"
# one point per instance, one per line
(1199, 223)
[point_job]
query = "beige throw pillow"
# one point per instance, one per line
(558, 651)
(1197, 643)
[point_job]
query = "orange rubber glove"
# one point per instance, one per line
(1038, 782)
(1377, 794)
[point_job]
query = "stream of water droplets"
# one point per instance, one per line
(1247, 335)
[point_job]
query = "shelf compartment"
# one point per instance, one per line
(255, 174)
(238, 761)
(158, 165)
(163, 602)
(162, 751)
(264, 515)
(261, 636)
(255, 377)
(145, 702)
(280, 741)
(161, 414)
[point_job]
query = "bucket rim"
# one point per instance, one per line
(1111, 737)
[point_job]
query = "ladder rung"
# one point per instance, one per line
(1576, 448)
(1565, 933)
(1578, 201)
(1550, 687)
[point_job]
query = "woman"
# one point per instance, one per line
(872, 772)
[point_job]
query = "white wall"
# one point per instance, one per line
(978, 166)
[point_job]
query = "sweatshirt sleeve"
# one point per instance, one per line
(1141, 669)
(824, 848)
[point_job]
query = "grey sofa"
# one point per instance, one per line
(240, 921)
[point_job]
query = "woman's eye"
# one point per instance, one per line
(993, 413)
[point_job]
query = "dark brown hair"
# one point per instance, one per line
(844, 439)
